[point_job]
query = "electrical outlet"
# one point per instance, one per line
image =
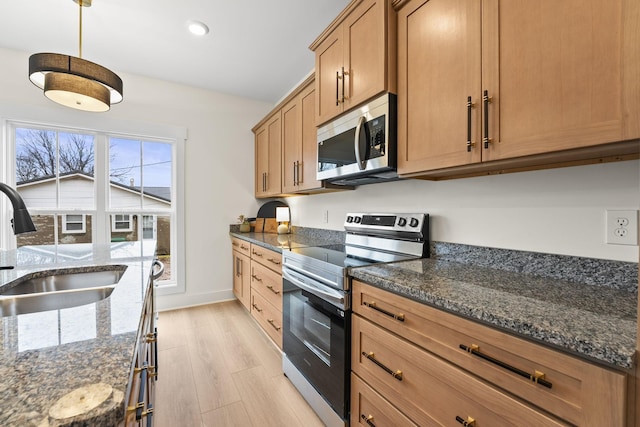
(325, 216)
(622, 227)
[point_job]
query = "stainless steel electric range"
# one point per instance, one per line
(317, 304)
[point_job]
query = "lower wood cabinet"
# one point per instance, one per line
(369, 408)
(144, 372)
(268, 316)
(430, 366)
(257, 283)
(241, 271)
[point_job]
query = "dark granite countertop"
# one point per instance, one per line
(298, 239)
(586, 307)
(594, 322)
(48, 359)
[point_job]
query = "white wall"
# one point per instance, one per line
(218, 160)
(560, 211)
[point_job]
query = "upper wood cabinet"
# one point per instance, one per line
(355, 58)
(268, 140)
(299, 146)
(484, 81)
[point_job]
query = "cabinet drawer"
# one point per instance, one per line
(268, 283)
(241, 246)
(267, 257)
(429, 390)
(369, 408)
(573, 380)
(268, 316)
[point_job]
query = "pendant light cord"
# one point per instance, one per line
(80, 36)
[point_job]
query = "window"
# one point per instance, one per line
(97, 187)
(121, 222)
(74, 224)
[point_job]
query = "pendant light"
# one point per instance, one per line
(75, 82)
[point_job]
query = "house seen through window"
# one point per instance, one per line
(55, 173)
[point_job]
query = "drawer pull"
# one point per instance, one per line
(256, 308)
(243, 247)
(395, 374)
(271, 322)
(368, 419)
(537, 377)
(470, 422)
(254, 277)
(372, 305)
(276, 262)
(272, 290)
(257, 254)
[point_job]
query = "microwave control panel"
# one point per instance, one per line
(374, 131)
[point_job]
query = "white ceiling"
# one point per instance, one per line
(256, 48)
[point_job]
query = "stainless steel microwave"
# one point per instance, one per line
(360, 147)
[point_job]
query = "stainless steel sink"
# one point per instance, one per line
(57, 289)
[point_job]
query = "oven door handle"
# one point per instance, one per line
(315, 287)
(303, 273)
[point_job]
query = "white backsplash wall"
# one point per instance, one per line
(560, 211)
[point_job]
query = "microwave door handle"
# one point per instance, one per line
(356, 146)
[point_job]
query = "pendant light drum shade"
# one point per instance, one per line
(75, 82)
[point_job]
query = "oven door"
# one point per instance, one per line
(316, 342)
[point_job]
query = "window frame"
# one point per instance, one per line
(65, 223)
(114, 221)
(102, 127)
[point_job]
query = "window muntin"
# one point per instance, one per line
(56, 194)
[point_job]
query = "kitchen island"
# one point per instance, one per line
(72, 366)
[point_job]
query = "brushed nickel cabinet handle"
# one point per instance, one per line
(395, 374)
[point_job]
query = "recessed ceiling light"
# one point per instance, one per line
(198, 28)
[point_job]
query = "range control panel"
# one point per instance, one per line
(360, 222)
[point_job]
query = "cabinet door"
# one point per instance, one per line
(274, 180)
(365, 52)
(329, 57)
(242, 278)
(291, 144)
(562, 74)
(308, 166)
(262, 160)
(438, 69)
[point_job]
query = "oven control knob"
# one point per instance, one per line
(357, 220)
(402, 222)
(349, 219)
(414, 222)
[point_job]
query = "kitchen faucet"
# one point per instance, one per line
(21, 221)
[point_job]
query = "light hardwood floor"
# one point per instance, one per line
(217, 368)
